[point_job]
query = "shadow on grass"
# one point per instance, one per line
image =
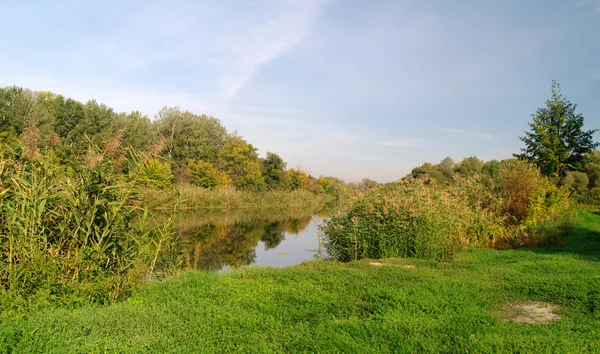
(584, 239)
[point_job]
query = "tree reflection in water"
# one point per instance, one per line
(214, 243)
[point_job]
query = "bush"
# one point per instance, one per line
(409, 220)
(426, 219)
(205, 175)
(156, 174)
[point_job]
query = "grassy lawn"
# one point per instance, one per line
(354, 307)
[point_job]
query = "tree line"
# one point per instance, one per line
(184, 147)
(556, 144)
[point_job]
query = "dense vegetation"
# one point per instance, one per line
(71, 227)
(422, 217)
(77, 181)
(439, 209)
(187, 148)
(332, 307)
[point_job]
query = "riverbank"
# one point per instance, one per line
(390, 305)
(197, 198)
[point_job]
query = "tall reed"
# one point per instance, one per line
(70, 228)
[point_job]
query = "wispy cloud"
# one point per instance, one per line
(480, 135)
(259, 43)
(400, 143)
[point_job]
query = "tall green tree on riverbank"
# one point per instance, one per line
(190, 136)
(557, 143)
(273, 168)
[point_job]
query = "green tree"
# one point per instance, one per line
(579, 182)
(204, 174)
(592, 168)
(239, 159)
(492, 169)
(469, 166)
(556, 142)
(68, 117)
(295, 178)
(137, 130)
(15, 105)
(189, 136)
(273, 168)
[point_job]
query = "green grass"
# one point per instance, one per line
(352, 307)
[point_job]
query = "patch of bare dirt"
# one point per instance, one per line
(378, 264)
(529, 312)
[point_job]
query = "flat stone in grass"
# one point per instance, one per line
(529, 312)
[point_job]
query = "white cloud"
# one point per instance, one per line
(259, 43)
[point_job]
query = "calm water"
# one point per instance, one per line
(221, 242)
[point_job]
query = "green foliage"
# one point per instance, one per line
(69, 116)
(70, 231)
(155, 173)
(519, 181)
(295, 179)
(273, 168)
(198, 198)
(441, 173)
(426, 219)
(138, 131)
(556, 142)
(579, 181)
(470, 166)
(14, 107)
(592, 168)
(190, 136)
(205, 175)
(332, 186)
(409, 220)
(492, 169)
(331, 307)
(239, 160)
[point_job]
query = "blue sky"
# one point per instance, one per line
(350, 88)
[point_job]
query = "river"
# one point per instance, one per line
(223, 241)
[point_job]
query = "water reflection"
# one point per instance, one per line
(223, 241)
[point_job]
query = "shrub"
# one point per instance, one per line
(426, 219)
(205, 175)
(518, 181)
(155, 173)
(409, 220)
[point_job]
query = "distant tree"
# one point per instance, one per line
(189, 136)
(469, 166)
(69, 115)
(592, 168)
(332, 186)
(369, 183)
(556, 142)
(273, 168)
(295, 179)
(239, 159)
(492, 169)
(14, 105)
(579, 181)
(204, 174)
(447, 163)
(138, 131)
